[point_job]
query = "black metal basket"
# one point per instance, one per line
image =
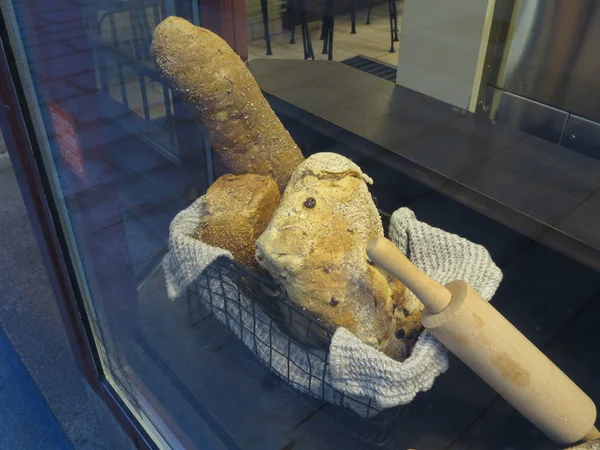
(291, 344)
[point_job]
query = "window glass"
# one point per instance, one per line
(251, 316)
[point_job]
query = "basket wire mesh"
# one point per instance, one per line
(292, 344)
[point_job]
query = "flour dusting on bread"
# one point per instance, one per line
(316, 244)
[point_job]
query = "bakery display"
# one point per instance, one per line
(315, 246)
(244, 131)
(237, 209)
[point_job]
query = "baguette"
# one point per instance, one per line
(244, 131)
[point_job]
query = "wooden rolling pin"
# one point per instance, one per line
(489, 344)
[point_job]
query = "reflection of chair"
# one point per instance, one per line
(126, 46)
(141, 29)
(328, 24)
(328, 13)
(297, 8)
(294, 8)
(393, 11)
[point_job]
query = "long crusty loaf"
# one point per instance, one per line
(243, 128)
(237, 209)
(315, 246)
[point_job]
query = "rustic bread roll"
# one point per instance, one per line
(237, 209)
(244, 131)
(315, 245)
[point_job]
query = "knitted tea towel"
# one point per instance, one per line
(355, 375)
(187, 257)
(359, 370)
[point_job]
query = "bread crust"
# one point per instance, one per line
(237, 209)
(244, 131)
(315, 246)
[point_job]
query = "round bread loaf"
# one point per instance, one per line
(244, 131)
(237, 209)
(315, 246)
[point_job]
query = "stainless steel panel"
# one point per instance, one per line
(552, 54)
(583, 136)
(531, 117)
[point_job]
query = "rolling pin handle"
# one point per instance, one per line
(386, 255)
(592, 435)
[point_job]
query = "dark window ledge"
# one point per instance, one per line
(544, 191)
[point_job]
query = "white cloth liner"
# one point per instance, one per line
(364, 375)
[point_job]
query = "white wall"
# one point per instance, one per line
(442, 47)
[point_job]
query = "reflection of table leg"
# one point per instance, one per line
(115, 41)
(327, 25)
(140, 52)
(292, 20)
(304, 46)
(145, 32)
(306, 41)
(265, 16)
(324, 24)
(391, 10)
(330, 56)
(395, 7)
(325, 35)
(311, 53)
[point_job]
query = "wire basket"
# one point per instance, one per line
(291, 344)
